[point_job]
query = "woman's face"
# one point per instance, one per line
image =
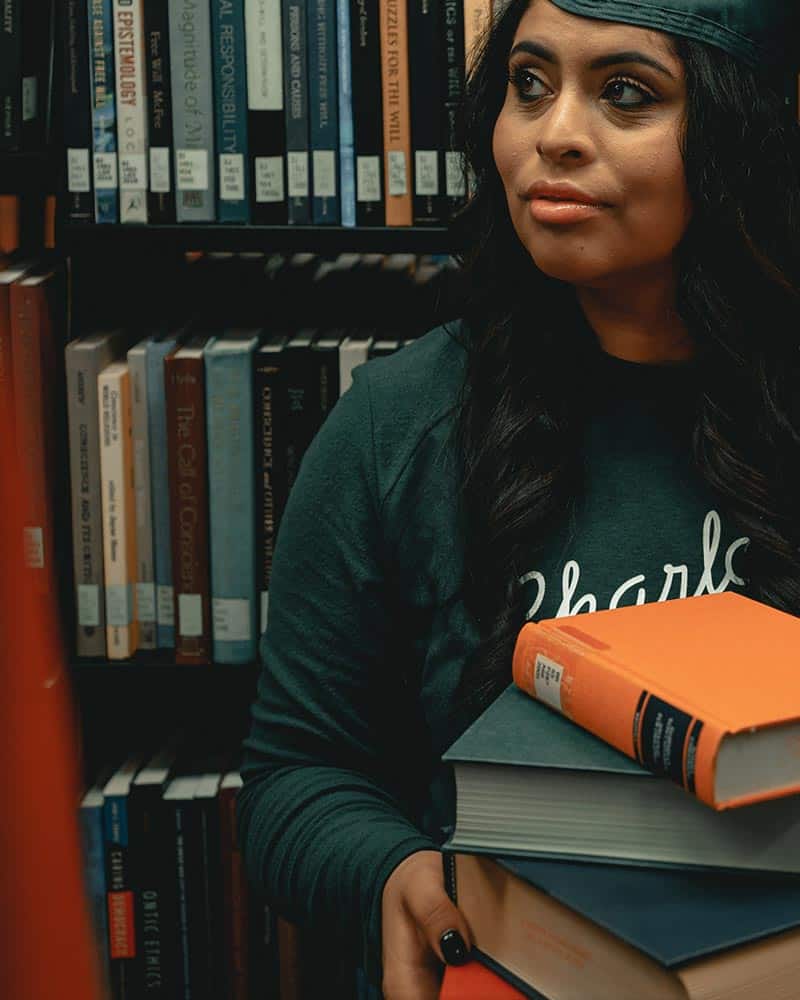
(610, 130)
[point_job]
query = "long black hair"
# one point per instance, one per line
(520, 416)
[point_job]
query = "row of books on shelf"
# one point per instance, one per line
(271, 112)
(183, 447)
(171, 908)
(628, 810)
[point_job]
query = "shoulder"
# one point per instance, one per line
(412, 396)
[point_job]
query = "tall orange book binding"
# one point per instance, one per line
(705, 690)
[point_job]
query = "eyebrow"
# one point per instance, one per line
(612, 59)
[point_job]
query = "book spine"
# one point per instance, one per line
(234, 894)
(229, 403)
(33, 424)
(120, 899)
(37, 38)
(11, 76)
(298, 420)
(77, 114)
(161, 194)
(424, 33)
(145, 567)
(210, 937)
(396, 113)
(347, 161)
(270, 485)
(104, 131)
(365, 61)
(183, 871)
(601, 696)
(131, 110)
(188, 487)
(323, 112)
(153, 978)
(453, 92)
(6, 361)
(266, 124)
(230, 104)
(94, 867)
(82, 369)
(296, 116)
(159, 479)
(118, 505)
(192, 110)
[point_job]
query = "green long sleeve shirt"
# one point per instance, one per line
(367, 633)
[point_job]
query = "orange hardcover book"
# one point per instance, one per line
(704, 690)
(396, 112)
(474, 981)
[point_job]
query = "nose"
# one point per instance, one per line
(563, 129)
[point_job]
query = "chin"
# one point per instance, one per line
(573, 268)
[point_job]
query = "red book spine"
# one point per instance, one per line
(188, 504)
(234, 890)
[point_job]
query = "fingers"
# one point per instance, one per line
(440, 921)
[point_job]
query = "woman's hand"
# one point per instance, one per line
(416, 913)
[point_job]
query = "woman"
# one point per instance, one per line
(616, 421)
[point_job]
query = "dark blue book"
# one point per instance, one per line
(77, 112)
(530, 782)
(295, 70)
(230, 108)
(104, 113)
(323, 106)
(611, 932)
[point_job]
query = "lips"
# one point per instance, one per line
(563, 193)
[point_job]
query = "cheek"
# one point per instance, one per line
(657, 189)
(508, 145)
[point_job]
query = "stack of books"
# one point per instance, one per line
(628, 816)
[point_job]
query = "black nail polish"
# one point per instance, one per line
(453, 948)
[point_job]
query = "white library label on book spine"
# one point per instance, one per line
(146, 602)
(159, 169)
(105, 171)
(192, 169)
(426, 176)
(398, 184)
(79, 178)
(324, 173)
(269, 178)
(231, 176)
(33, 538)
(264, 609)
(297, 169)
(264, 55)
(119, 604)
(166, 606)
(30, 90)
(88, 605)
(132, 171)
(454, 173)
(231, 619)
(547, 676)
(190, 615)
(368, 178)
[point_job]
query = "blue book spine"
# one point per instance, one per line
(231, 483)
(157, 350)
(119, 897)
(295, 70)
(230, 106)
(94, 867)
(104, 117)
(347, 156)
(323, 112)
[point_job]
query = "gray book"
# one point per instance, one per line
(145, 569)
(85, 358)
(192, 110)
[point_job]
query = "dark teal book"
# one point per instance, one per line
(323, 106)
(230, 109)
(614, 931)
(529, 782)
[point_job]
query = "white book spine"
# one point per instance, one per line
(131, 109)
(114, 410)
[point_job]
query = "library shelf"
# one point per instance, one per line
(83, 239)
(21, 172)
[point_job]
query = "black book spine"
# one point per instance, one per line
(453, 90)
(365, 59)
(327, 381)
(153, 979)
(185, 873)
(35, 71)
(270, 471)
(266, 131)
(209, 973)
(161, 194)
(11, 75)
(77, 112)
(424, 45)
(300, 385)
